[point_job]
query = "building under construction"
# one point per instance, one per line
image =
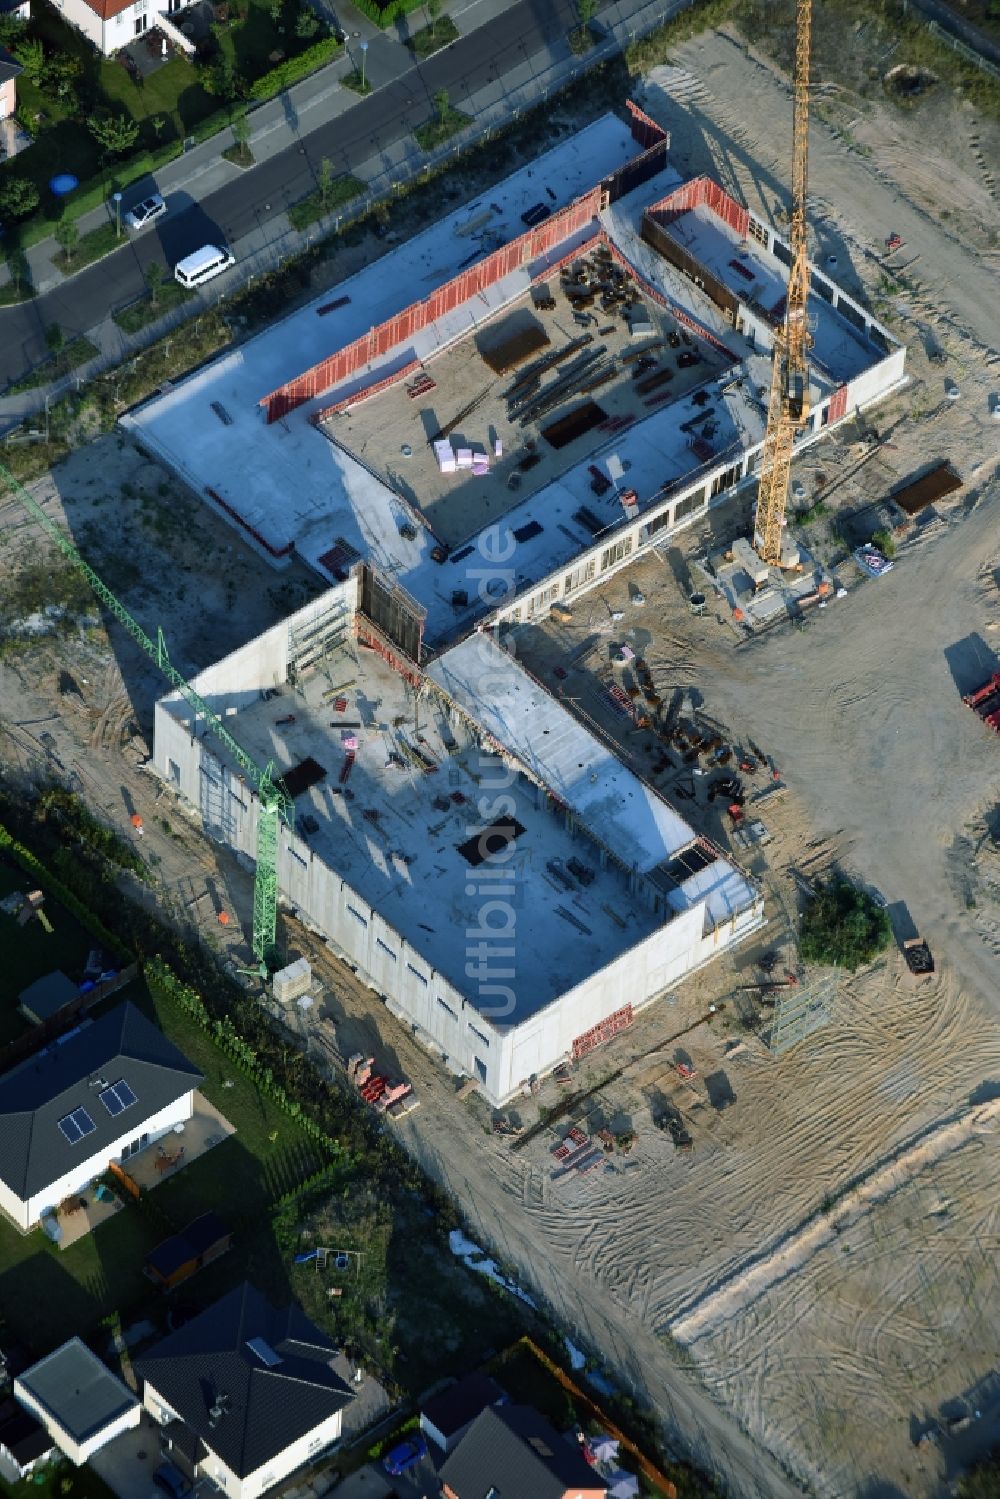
(483, 861)
(570, 395)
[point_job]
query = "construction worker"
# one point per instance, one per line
(137, 825)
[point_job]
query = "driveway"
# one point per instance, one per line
(372, 1482)
(128, 1463)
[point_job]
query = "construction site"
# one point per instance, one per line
(566, 890)
(620, 359)
(652, 683)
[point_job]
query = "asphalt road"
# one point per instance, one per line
(526, 31)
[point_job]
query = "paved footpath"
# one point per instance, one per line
(508, 57)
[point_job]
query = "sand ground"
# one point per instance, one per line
(797, 1294)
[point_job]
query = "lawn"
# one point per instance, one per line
(146, 310)
(59, 1480)
(318, 204)
(432, 38)
(89, 247)
(78, 351)
(170, 105)
(30, 952)
(44, 1291)
(446, 123)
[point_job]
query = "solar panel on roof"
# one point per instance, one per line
(74, 1126)
(111, 1101)
(118, 1097)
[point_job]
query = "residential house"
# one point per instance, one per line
(81, 1404)
(98, 1094)
(447, 1416)
(246, 1394)
(111, 24)
(24, 1442)
(9, 70)
(512, 1449)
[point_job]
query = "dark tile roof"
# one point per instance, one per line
(23, 1436)
(272, 1400)
(460, 1403)
(515, 1450)
(39, 1092)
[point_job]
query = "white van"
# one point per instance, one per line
(205, 263)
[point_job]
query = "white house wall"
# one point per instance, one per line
(80, 15)
(28, 1213)
(77, 1452)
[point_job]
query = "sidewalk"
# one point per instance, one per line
(282, 122)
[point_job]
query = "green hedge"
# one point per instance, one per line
(163, 982)
(289, 72)
(63, 893)
(385, 15)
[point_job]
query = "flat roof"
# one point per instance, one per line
(839, 350)
(397, 834)
(622, 812)
(48, 995)
(293, 486)
(77, 1391)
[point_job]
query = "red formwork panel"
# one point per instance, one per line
(366, 392)
(644, 130)
(727, 208)
(696, 193)
(838, 403)
(478, 278)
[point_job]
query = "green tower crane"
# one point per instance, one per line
(275, 804)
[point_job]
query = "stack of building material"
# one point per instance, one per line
(291, 981)
(463, 457)
(480, 464)
(445, 455)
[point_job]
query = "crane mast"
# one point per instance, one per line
(275, 804)
(788, 407)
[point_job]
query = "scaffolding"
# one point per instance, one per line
(799, 1010)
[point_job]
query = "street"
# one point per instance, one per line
(529, 30)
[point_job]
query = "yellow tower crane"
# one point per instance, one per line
(788, 407)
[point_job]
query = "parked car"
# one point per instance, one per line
(145, 212)
(404, 1456)
(171, 1481)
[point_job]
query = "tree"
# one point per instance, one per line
(241, 132)
(442, 104)
(155, 276)
(586, 10)
(68, 236)
(54, 338)
(18, 198)
(114, 133)
(31, 55)
(11, 31)
(60, 74)
(324, 179)
(433, 12)
(307, 24)
(842, 925)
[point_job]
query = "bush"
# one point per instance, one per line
(843, 926)
(885, 541)
(18, 197)
(290, 71)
